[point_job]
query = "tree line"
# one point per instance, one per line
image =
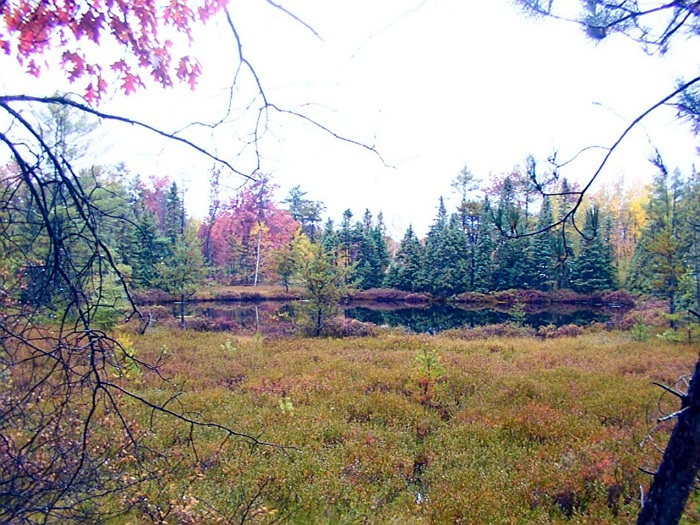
(505, 234)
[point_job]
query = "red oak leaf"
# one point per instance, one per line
(130, 82)
(74, 65)
(91, 95)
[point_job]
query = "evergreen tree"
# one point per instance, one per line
(659, 263)
(372, 254)
(484, 250)
(441, 218)
(511, 253)
(215, 212)
(346, 238)
(149, 249)
(174, 220)
(593, 269)
(330, 240)
(405, 270)
(464, 182)
(470, 217)
(325, 284)
(563, 249)
(543, 247)
(445, 269)
(382, 242)
(526, 274)
(305, 211)
(691, 223)
(181, 273)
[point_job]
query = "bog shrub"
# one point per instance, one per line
(518, 430)
(568, 330)
(493, 330)
(345, 327)
(618, 297)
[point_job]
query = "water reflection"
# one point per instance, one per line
(278, 317)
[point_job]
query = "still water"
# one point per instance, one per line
(278, 316)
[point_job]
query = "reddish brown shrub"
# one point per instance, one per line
(534, 297)
(415, 298)
(568, 330)
(152, 297)
(474, 298)
(493, 330)
(618, 298)
(342, 327)
(566, 296)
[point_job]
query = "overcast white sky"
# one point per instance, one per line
(433, 85)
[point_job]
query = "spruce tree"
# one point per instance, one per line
(181, 273)
(509, 255)
(148, 250)
(543, 248)
(593, 269)
(347, 235)
(445, 257)
(405, 270)
(325, 284)
(174, 222)
(484, 251)
(330, 241)
(471, 216)
(563, 249)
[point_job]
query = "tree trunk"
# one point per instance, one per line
(257, 261)
(676, 475)
(696, 261)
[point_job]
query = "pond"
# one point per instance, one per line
(278, 316)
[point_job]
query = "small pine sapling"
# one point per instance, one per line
(429, 370)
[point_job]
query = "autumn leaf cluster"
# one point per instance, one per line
(135, 38)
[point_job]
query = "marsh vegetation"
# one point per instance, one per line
(401, 428)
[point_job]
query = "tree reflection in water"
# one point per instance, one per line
(270, 317)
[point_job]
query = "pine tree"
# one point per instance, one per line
(305, 211)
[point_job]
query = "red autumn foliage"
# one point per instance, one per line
(129, 33)
(234, 235)
(153, 195)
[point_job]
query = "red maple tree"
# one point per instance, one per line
(240, 224)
